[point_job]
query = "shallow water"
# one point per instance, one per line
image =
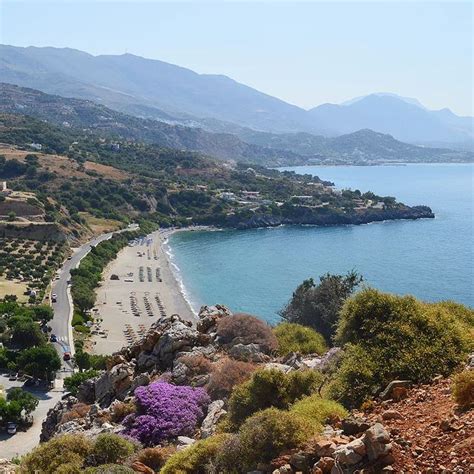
(256, 270)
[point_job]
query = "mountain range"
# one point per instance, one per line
(154, 89)
(245, 145)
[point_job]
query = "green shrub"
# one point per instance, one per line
(294, 337)
(397, 337)
(110, 448)
(270, 388)
(318, 411)
(55, 455)
(109, 469)
(261, 438)
(196, 458)
(463, 388)
(355, 380)
(73, 382)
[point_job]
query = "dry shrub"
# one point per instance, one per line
(198, 364)
(463, 388)
(230, 373)
(121, 410)
(155, 458)
(246, 329)
(79, 410)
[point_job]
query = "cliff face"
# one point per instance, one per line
(308, 216)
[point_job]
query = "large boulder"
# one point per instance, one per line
(178, 337)
(115, 383)
(86, 391)
(350, 453)
(54, 417)
(214, 413)
(248, 353)
(209, 317)
(377, 442)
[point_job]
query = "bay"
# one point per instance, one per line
(257, 270)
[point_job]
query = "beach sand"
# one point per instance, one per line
(115, 298)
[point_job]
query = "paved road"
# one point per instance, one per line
(61, 322)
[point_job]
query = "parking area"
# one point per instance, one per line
(24, 441)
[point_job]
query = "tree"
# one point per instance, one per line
(43, 313)
(318, 306)
(82, 360)
(27, 401)
(11, 216)
(73, 382)
(27, 333)
(40, 362)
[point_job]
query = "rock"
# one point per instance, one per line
(293, 359)
(214, 413)
(137, 466)
(54, 416)
(391, 415)
(346, 456)
(114, 383)
(325, 464)
(354, 425)
(377, 442)
(324, 447)
(178, 337)
(276, 366)
(387, 393)
(350, 453)
(322, 362)
(248, 353)
(209, 317)
(285, 469)
(114, 360)
(330, 432)
(300, 461)
(86, 391)
(183, 442)
(139, 381)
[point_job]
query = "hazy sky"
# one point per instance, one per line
(306, 53)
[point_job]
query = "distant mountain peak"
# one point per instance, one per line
(408, 100)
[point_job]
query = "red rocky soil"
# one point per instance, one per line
(429, 433)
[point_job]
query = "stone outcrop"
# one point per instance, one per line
(215, 412)
(338, 453)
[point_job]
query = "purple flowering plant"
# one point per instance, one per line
(165, 411)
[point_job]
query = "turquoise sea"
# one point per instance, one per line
(257, 270)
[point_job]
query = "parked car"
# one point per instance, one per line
(11, 428)
(54, 297)
(69, 258)
(53, 338)
(67, 356)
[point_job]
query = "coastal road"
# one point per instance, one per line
(61, 322)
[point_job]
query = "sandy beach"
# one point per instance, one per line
(145, 290)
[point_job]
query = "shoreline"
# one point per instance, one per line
(137, 288)
(165, 235)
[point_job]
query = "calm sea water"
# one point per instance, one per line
(256, 271)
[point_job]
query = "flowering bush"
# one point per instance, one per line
(165, 411)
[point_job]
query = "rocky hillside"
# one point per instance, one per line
(404, 427)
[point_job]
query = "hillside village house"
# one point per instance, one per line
(4, 189)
